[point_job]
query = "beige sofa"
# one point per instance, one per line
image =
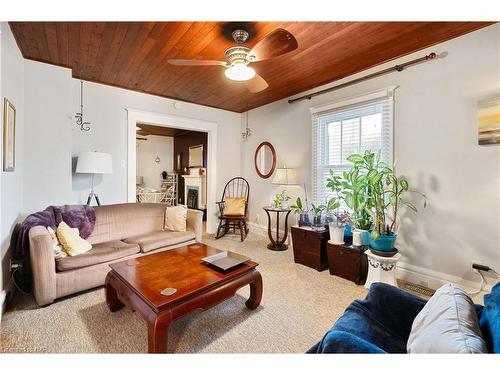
(122, 231)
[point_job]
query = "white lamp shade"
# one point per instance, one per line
(94, 162)
(286, 176)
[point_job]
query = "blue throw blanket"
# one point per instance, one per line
(489, 319)
(76, 216)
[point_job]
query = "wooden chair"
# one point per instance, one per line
(236, 188)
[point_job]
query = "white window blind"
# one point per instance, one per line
(353, 126)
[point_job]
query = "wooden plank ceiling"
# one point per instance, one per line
(134, 55)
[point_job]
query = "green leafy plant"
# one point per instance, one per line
(380, 192)
(279, 198)
(317, 209)
(297, 207)
(334, 183)
(356, 193)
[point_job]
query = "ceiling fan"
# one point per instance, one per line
(238, 57)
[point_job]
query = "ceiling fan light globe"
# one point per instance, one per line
(239, 72)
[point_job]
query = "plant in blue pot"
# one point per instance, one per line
(388, 194)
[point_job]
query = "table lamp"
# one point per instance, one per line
(286, 176)
(94, 162)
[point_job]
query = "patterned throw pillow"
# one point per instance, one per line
(58, 250)
(71, 241)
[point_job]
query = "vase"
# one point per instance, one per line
(361, 237)
(329, 219)
(317, 221)
(303, 219)
(336, 235)
(384, 243)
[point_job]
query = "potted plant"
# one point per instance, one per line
(317, 219)
(280, 199)
(329, 212)
(386, 194)
(357, 197)
(301, 212)
(337, 231)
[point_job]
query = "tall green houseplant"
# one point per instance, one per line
(382, 193)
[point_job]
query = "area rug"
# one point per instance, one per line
(299, 305)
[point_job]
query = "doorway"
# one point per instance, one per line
(191, 161)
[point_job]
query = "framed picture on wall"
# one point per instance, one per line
(488, 120)
(9, 136)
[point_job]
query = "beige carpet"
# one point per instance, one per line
(299, 304)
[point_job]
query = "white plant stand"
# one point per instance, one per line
(381, 269)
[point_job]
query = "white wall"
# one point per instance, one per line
(147, 151)
(435, 147)
(52, 98)
(12, 87)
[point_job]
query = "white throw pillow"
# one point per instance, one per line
(447, 324)
(175, 218)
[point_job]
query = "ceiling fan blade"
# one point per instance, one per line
(256, 84)
(196, 62)
(274, 44)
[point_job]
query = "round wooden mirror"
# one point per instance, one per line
(265, 160)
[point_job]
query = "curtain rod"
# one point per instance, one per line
(397, 68)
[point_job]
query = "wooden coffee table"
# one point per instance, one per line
(137, 283)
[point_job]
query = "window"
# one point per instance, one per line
(353, 126)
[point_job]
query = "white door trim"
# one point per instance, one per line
(161, 119)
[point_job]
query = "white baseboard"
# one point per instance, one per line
(434, 279)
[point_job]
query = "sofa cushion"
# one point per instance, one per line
(100, 253)
(118, 221)
(447, 324)
(156, 240)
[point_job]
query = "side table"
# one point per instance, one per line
(277, 244)
(381, 269)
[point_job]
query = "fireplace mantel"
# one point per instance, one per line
(199, 181)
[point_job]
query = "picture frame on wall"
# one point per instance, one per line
(488, 120)
(9, 136)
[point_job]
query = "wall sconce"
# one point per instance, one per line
(157, 160)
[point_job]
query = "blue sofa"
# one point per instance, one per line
(381, 323)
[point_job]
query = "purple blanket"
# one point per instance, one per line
(76, 216)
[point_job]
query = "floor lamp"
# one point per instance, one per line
(94, 163)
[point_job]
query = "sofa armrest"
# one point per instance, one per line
(43, 265)
(194, 222)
